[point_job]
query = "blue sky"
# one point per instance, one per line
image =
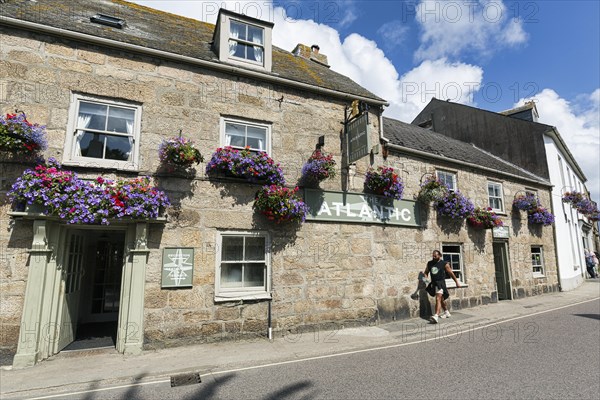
(491, 54)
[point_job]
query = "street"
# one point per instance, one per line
(547, 355)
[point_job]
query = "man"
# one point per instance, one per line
(438, 269)
(589, 263)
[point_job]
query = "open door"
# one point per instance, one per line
(502, 274)
(70, 289)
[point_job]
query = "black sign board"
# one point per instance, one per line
(357, 138)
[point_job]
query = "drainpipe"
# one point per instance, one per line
(270, 327)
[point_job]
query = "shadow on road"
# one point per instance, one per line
(592, 316)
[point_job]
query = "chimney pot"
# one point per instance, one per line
(315, 48)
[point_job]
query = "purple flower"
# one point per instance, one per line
(254, 167)
(455, 205)
(540, 215)
(179, 152)
(280, 204)
(384, 182)
(18, 135)
(79, 201)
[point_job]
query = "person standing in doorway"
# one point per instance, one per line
(438, 269)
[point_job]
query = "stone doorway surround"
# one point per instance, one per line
(40, 319)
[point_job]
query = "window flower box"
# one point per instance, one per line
(384, 182)
(280, 204)
(20, 137)
(244, 164)
(77, 201)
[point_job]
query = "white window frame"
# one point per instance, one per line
(223, 35)
(252, 293)
(461, 269)
(267, 127)
(448, 173)
(539, 265)
(500, 196)
(69, 154)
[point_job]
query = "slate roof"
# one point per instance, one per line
(517, 140)
(417, 138)
(168, 32)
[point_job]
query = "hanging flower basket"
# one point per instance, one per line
(572, 197)
(540, 215)
(484, 218)
(384, 182)
(455, 205)
(244, 164)
(432, 189)
(77, 201)
(179, 153)
(20, 137)
(280, 204)
(581, 203)
(526, 202)
(320, 166)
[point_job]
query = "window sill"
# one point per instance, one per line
(451, 285)
(101, 165)
(237, 296)
(538, 276)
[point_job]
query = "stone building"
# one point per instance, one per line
(111, 80)
(517, 136)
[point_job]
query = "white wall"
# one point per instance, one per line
(569, 247)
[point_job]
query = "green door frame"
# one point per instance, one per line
(40, 319)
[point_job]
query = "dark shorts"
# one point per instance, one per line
(435, 286)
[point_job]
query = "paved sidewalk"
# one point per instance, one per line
(80, 371)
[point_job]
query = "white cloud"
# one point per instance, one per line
(393, 32)
(440, 79)
(453, 28)
(579, 125)
(359, 58)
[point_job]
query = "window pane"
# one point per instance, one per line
(255, 34)
(239, 49)
(92, 116)
(255, 248)
(450, 249)
(238, 30)
(234, 140)
(117, 148)
(232, 248)
(120, 120)
(491, 191)
(235, 130)
(496, 203)
(254, 275)
(92, 145)
(231, 275)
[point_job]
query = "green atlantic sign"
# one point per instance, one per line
(360, 208)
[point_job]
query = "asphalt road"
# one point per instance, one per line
(553, 355)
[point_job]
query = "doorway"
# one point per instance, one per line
(502, 270)
(93, 273)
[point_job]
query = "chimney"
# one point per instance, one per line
(310, 53)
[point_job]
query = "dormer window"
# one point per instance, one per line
(243, 40)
